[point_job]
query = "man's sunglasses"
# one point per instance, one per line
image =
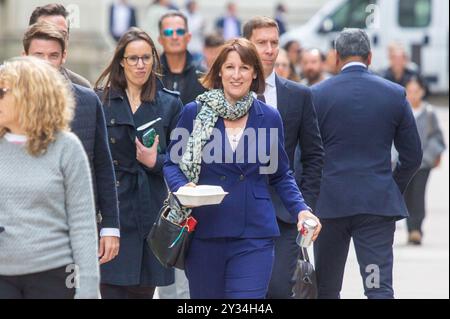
(169, 32)
(3, 92)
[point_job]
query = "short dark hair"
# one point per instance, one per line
(352, 42)
(44, 31)
(290, 43)
(172, 14)
(419, 80)
(213, 40)
(53, 9)
(248, 54)
(258, 23)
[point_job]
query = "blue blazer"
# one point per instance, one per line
(247, 211)
(360, 115)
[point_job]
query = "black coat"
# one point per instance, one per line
(141, 190)
(186, 83)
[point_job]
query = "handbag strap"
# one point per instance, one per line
(170, 196)
(304, 252)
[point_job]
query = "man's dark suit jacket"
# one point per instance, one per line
(360, 115)
(294, 102)
(90, 127)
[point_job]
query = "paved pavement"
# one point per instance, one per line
(419, 272)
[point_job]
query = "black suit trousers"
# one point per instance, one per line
(373, 237)
(286, 253)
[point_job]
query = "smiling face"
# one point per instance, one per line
(266, 41)
(237, 77)
(137, 63)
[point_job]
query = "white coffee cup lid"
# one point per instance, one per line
(310, 222)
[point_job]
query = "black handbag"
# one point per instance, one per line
(305, 282)
(169, 241)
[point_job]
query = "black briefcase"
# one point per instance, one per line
(305, 282)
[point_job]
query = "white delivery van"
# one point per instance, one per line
(422, 26)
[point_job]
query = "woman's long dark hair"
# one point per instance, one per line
(114, 74)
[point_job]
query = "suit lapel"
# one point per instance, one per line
(283, 100)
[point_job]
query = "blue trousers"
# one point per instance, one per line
(373, 237)
(229, 268)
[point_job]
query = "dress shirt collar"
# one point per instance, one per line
(350, 64)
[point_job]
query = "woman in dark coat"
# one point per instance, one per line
(133, 96)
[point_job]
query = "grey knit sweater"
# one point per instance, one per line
(47, 210)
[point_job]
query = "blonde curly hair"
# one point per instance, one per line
(43, 100)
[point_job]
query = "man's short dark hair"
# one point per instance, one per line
(53, 9)
(43, 31)
(352, 42)
(258, 22)
(213, 40)
(172, 14)
(419, 80)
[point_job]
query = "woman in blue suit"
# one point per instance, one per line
(231, 255)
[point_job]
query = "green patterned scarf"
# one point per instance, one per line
(214, 105)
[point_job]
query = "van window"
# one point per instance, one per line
(352, 14)
(414, 13)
